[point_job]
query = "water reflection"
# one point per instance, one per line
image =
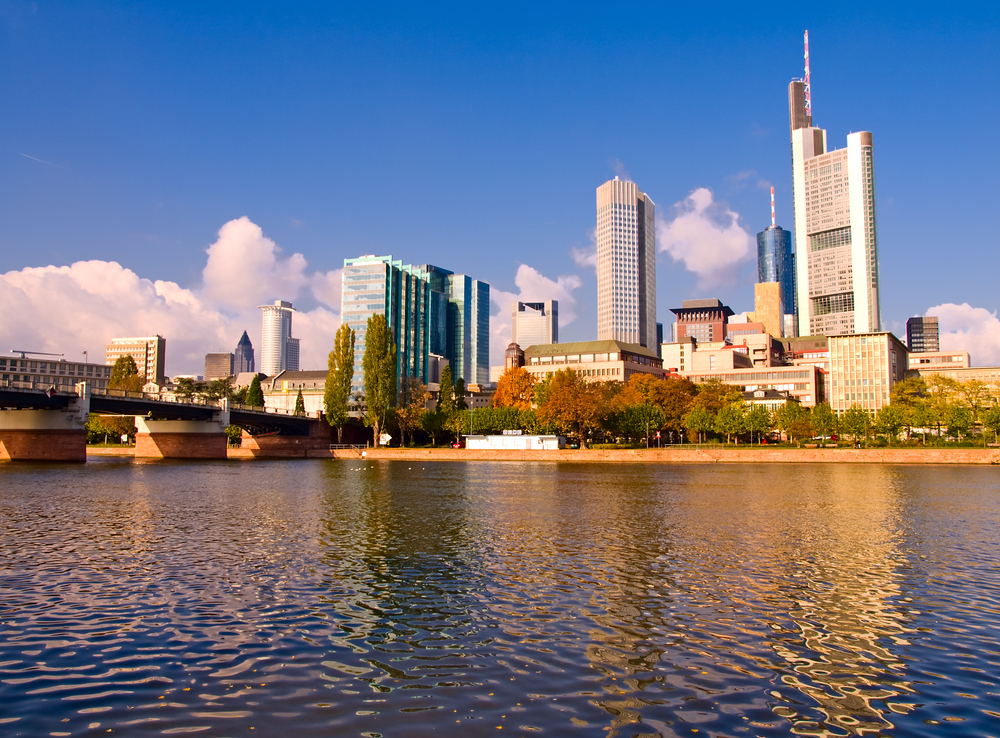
(395, 599)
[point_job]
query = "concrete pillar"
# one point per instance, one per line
(46, 435)
(180, 439)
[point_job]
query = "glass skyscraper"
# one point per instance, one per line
(775, 264)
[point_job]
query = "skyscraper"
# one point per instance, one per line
(836, 247)
(148, 352)
(923, 335)
(243, 360)
(626, 264)
(278, 351)
(534, 323)
(218, 366)
(775, 263)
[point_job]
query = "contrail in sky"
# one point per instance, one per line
(42, 161)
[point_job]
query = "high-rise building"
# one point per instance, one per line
(148, 352)
(430, 311)
(775, 262)
(863, 370)
(923, 335)
(243, 360)
(626, 264)
(278, 351)
(767, 307)
(702, 320)
(218, 366)
(836, 245)
(534, 323)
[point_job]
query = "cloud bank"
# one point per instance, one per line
(972, 329)
(706, 237)
(69, 309)
(532, 287)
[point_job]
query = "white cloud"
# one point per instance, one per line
(706, 237)
(972, 329)
(533, 287)
(587, 256)
(69, 309)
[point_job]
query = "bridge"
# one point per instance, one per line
(45, 425)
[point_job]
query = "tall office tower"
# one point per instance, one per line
(148, 352)
(243, 356)
(922, 335)
(626, 264)
(292, 354)
(775, 263)
(836, 246)
(534, 323)
(218, 366)
(276, 338)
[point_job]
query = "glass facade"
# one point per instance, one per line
(775, 264)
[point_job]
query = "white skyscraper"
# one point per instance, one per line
(534, 323)
(836, 244)
(626, 264)
(279, 351)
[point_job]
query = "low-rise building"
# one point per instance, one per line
(515, 442)
(281, 390)
(769, 398)
(807, 383)
(988, 374)
(939, 360)
(28, 373)
(598, 361)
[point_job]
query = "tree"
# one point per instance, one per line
(432, 422)
(889, 421)
(340, 372)
(125, 375)
(638, 421)
(976, 395)
(573, 404)
(758, 420)
(700, 421)
(991, 419)
(460, 403)
(515, 388)
(824, 420)
(412, 407)
(787, 414)
(856, 422)
(731, 420)
(800, 429)
(922, 416)
(379, 363)
(300, 404)
(186, 388)
(674, 396)
(446, 393)
(959, 419)
(255, 395)
(715, 394)
(218, 389)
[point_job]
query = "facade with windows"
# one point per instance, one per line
(932, 360)
(32, 374)
(806, 384)
(597, 361)
(626, 264)
(243, 358)
(703, 320)
(278, 350)
(534, 323)
(775, 263)
(836, 245)
(149, 354)
(863, 369)
(923, 335)
(218, 366)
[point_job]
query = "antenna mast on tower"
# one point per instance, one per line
(808, 103)
(772, 207)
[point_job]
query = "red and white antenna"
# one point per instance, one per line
(808, 104)
(772, 207)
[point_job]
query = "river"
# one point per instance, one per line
(351, 598)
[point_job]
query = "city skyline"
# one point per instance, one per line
(703, 170)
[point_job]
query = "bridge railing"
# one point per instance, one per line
(33, 386)
(272, 410)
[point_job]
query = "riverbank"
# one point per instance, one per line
(722, 455)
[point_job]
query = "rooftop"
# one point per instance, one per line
(589, 347)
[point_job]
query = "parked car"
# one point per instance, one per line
(458, 444)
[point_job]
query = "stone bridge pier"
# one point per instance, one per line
(47, 434)
(182, 439)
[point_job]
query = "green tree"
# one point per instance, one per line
(432, 422)
(824, 420)
(991, 419)
(787, 414)
(340, 372)
(638, 421)
(959, 420)
(125, 375)
(699, 420)
(758, 420)
(731, 420)
(379, 363)
(800, 429)
(460, 403)
(856, 422)
(300, 404)
(922, 416)
(186, 388)
(890, 421)
(412, 407)
(219, 389)
(255, 395)
(446, 393)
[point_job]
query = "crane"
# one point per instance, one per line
(25, 354)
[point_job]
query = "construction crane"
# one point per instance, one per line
(25, 354)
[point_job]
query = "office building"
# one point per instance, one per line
(922, 335)
(148, 352)
(28, 373)
(836, 245)
(534, 323)
(863, 369)
(243, 359)
(597, 361)
(807, 384)
(702, 320)
(626, 264)
(938, 360)
(776, 263)
(279, 351)
(218, 366)
(430, 311)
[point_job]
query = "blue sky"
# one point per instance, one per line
(472, 139)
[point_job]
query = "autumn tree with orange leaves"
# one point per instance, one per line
(574, 404)
(515, 388)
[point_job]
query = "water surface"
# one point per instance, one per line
(342, 598)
